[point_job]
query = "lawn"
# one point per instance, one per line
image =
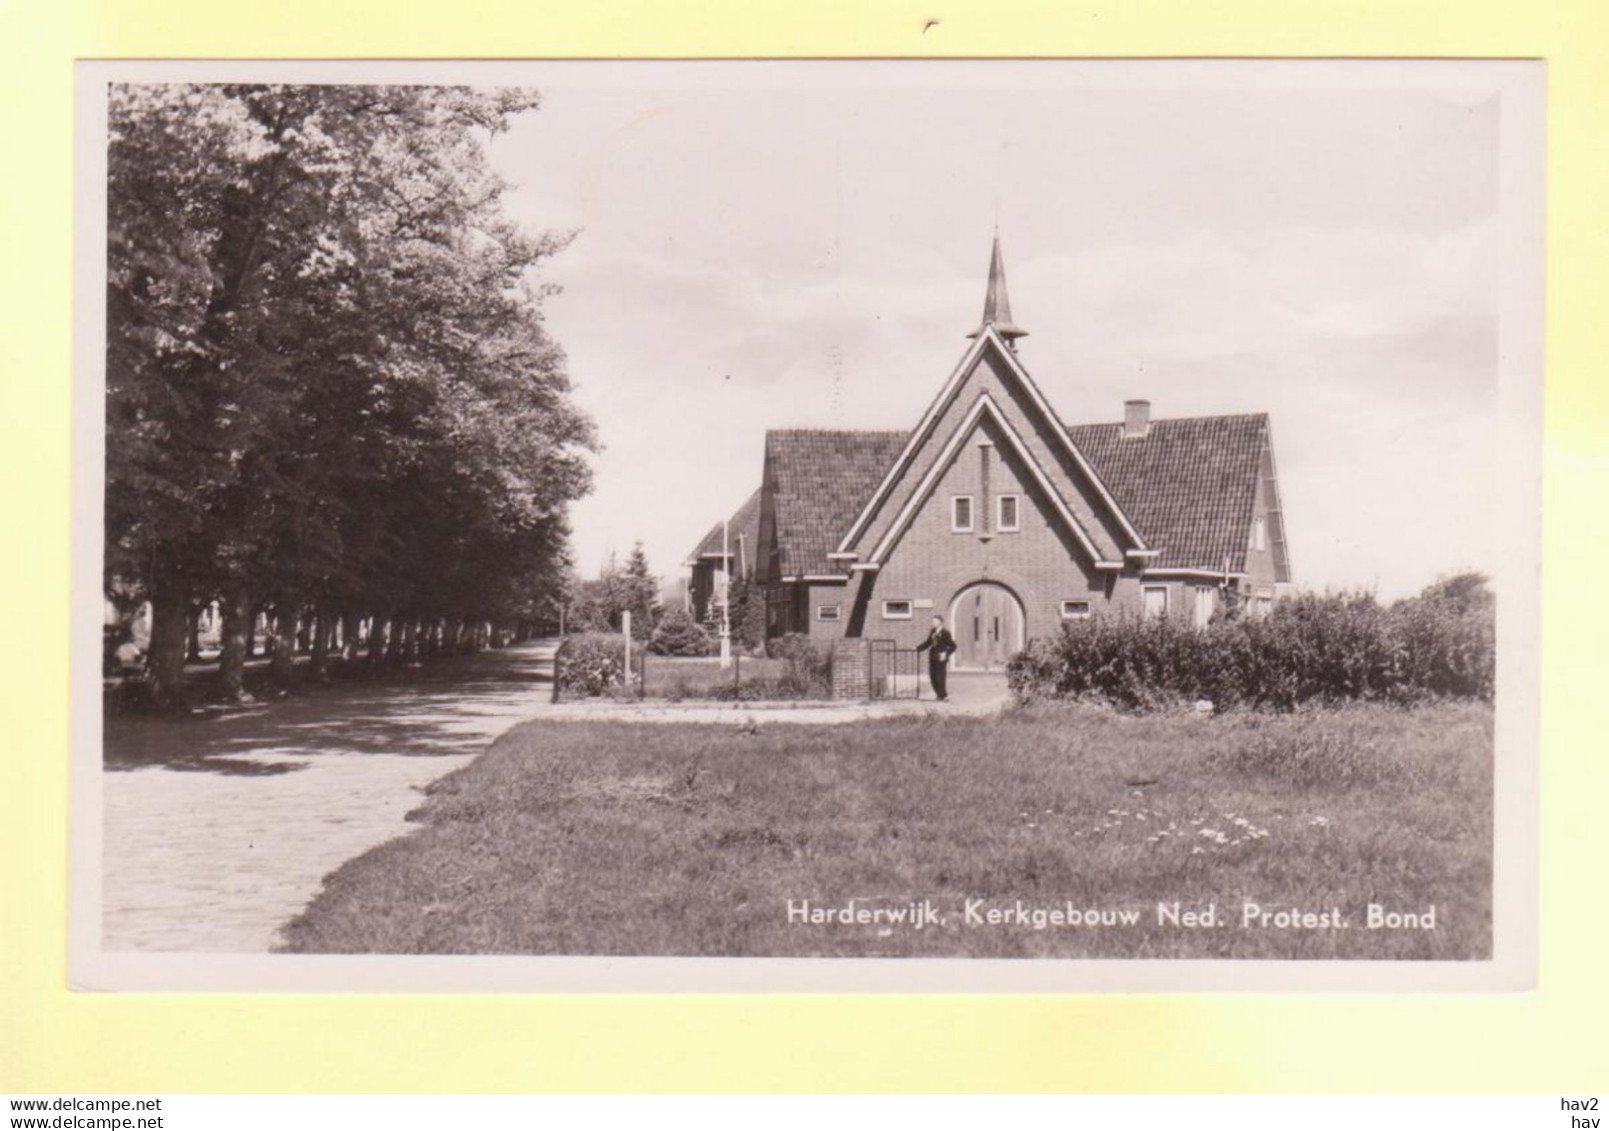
(1008, 833)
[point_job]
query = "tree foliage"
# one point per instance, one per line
(329, 388)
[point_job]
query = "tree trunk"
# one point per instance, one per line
(283, 665)
(405, 642)
(192, 647)
(236, 631)
(378, 644)
(323, 630)
(170, 633)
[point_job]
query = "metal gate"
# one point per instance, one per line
(895, 671)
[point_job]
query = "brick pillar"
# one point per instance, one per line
(852, 668)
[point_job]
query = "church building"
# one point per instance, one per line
(995, 514)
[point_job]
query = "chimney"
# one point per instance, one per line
(1136, 419)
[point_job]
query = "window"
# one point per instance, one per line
(896, 610)
(1075, 610)
(961, 514)
(1156, 600)
(826, 612)
(1008, 506)
(1204, 605)
(1259, 533)
(1262, 602)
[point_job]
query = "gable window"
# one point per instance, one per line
(896, 610)
(1008, 519)
(1156, 600)
(826, 612)
(1259, 533)
(1075, 610)
(1204, 605)
(961, 514)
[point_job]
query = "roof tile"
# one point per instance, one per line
(1187, 485)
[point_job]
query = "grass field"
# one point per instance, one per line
(1008, 833)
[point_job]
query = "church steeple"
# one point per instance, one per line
(996, 304)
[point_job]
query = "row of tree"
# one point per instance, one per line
(330, 396)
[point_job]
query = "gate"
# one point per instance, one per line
(895, 672)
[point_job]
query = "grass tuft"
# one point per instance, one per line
(628, 838)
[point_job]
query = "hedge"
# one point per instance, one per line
(1309, 648)
(590, 664)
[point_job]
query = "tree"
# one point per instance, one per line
(748, 612)
(329, 389)
(639, 593)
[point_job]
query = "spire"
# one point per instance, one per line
(996, 304)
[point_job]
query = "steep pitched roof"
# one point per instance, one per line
(821, 479)
(1188, 484)
(744, 523)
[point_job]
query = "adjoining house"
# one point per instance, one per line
(726, 551)
(995, 514)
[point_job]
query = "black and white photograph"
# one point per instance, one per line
(913, 525)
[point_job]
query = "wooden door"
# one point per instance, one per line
(987, 623)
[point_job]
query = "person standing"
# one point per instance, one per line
(939, 646)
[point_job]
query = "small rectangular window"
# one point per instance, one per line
(1259, 533)
(1075, 610)
(1204, 605)
(826, 612)
(896, 610)
(961, 514)
(1156, 600)
(1008, 517)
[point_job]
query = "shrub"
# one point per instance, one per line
(677, 634)
(808, 674)
(1310, 648)
(591, 664)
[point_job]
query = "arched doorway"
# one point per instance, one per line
(988, 624)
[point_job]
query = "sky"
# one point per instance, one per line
(763, 246)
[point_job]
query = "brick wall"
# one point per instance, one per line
(1037, 434)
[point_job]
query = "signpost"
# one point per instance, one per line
(625, 632)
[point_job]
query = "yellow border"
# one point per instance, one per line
(51, 1040)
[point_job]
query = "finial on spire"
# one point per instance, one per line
(996, 304)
